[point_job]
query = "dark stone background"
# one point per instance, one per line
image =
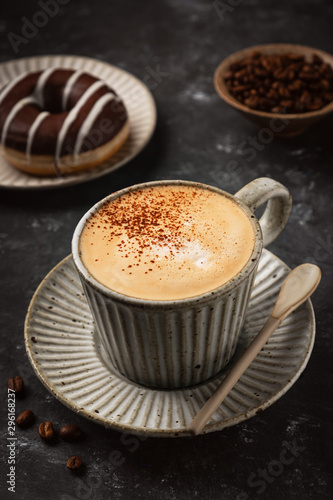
(196, 135)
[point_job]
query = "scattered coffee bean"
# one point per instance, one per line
(71, 433)
(284, 83)
(74, 463)
(46, 431)
(25, 419)
(16, 384)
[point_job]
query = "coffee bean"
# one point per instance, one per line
(228, 75)
(272, 94)
(239, 74)
(307, 67)
(74, 463)
(16, 384)
(241, 88)
(25, 419)
(71, 433)
(287, 103)
(295, 85)
(313, 106)
(252, 101)
(280, 74)
(295, 66)
(286, 83)
(324, 83)
(296, 57)
(305, 97)
(261, 73)
(291, 74)
(46, 431)
(325, 70)
(307, 76)
(284, 92)
(277, 109)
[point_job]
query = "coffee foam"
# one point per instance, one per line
(167, 242)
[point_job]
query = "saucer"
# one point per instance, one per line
(59, 338)
(139, 103)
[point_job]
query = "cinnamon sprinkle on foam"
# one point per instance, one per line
(163, 241)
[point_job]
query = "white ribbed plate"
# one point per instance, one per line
(60, 344)
(136, 96)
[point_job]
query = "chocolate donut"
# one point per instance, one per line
(60, 121)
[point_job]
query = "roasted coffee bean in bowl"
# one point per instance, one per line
(282, 87)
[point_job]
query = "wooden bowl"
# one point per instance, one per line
(281, 125)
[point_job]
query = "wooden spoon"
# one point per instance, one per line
(296, 288)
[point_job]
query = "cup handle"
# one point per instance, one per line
(278, 208)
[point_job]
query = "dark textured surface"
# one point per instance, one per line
(196, 137)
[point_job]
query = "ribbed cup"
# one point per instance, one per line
(170, 347)
(170, 344)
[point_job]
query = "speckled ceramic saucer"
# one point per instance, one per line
(139, 103)
(59, 337)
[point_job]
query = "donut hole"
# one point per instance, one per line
(52, 109)
(52, 100)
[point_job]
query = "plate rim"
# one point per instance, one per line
(84, 176)
(181, 432)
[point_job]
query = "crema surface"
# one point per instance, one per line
(167, 242)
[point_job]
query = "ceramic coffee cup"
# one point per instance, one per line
(170, 344)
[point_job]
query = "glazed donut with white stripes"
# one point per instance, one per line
(59, 121)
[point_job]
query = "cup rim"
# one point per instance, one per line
(135, 301)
